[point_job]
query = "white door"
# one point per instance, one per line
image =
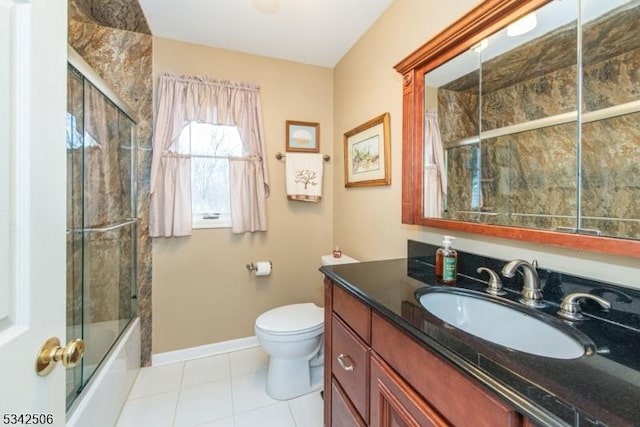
(33, 44)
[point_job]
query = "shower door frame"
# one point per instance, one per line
(90, 76)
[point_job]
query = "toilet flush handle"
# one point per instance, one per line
(341, 361)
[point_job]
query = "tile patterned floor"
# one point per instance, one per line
(225, 390)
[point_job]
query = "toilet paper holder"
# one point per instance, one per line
(253, 266)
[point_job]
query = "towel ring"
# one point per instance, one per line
(280, 156)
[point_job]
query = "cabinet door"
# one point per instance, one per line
(343, 414)
(395, 404)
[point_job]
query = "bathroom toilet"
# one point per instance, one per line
(292, 336)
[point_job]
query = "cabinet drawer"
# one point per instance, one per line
(343, 414)
(459, 399)
(354, 312)
(350, 362)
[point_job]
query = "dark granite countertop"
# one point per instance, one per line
(600, 389)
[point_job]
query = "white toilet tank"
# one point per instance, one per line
(330, 260)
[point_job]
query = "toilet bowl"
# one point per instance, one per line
(292, 336)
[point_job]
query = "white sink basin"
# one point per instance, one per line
(505, 323)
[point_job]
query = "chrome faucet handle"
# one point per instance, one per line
(570, 306)
(531, 293)
(494, 285)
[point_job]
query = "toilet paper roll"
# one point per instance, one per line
(263, 268)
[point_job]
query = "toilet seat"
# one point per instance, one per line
(293, 319)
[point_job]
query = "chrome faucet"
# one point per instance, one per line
(531, 293)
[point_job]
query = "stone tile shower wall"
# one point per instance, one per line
(534, 172)
(114, 39)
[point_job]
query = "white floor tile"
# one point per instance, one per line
(157, 379)
(227, 422)
(206, 370)
(204, 403)
(276, 415)
(248, 361)
(249, 392)
(307, 410)
(154, 411)
(219, 391)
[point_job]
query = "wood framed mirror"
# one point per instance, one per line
(592, 211)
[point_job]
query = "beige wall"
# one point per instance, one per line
(367, 222)
(202, 292)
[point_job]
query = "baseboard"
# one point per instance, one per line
(203, 351)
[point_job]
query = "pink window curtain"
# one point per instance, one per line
(435, 178)
(183, 99)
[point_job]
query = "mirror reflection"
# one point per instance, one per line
(610, 131)
(537, 126)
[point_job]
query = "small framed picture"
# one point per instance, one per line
(303, 136)
(367, 154)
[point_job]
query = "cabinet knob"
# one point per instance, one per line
(345, 362)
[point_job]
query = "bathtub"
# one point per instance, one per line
(101, 401)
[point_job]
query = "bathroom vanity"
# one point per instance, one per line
(370, 359)
(391, 362)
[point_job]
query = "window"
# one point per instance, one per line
(210, 147)
(187, 99)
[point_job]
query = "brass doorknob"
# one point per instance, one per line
(51, 352)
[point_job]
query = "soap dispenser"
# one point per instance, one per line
(447, 263)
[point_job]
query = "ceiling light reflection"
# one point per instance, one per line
(522, 25)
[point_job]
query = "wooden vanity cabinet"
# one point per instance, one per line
(347, 348)
(377, 375)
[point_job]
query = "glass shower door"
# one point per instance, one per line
(101, 241)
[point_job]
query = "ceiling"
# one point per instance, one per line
(317, 32)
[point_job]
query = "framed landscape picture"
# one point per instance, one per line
(367, 154)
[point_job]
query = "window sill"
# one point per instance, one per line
(199, 223)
